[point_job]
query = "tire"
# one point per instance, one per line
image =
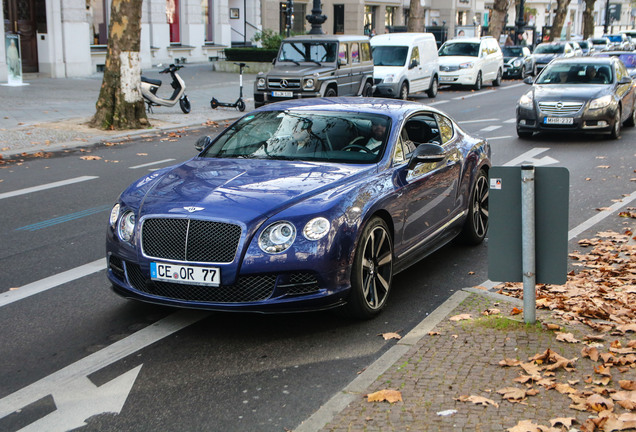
(534, 70)
(404, 91)
(372, 271)
(524, 134)
(476, 224)
(214, 103)
(331, 92)
(367, 91)
(631, 121)
(184, 103)
(432, 91)
(497, 81)
(240, 105)
(478, 82)
(616, 128)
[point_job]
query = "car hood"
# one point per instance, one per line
(511, 59)
(241, 189)
(456, 60)
(290, 70)
(578, 92)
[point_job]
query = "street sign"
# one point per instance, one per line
(551, 224)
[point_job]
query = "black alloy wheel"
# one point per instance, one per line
(497, 81)
(476, 225)
(631, 121)
(432, 91)
(367, 91)
(477, 85)
(616, 127)
(404, 91)
(331, 92)
(372, 271)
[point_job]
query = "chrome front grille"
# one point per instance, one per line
(190, 240)
(283, 83)
(560, 108)
(448, 68)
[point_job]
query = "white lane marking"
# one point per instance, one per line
(478, 121)
(438, 103)
(512, 86)
(37, 287)
(473, 95)
(499, 137)
(490, 128)
(601, 215)
(530, 154)
(151, 164)
(512, 120)
(46, 186)
(65, 377)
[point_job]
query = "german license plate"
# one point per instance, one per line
(282, 94)
(185, 274)
(559, 120)
(446, 78)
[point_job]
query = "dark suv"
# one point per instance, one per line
(315, 66)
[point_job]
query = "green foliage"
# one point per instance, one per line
(269, 39)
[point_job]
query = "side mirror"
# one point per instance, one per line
(341, 62)
(528, 80)
(202, 143)
(625, 80)
(414, 64)
(426, 153)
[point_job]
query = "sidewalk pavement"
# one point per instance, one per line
(50, 114)
(467, 366)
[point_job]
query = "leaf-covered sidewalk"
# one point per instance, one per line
(482, 369)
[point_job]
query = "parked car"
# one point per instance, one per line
(470, 62)
(618, 42)
(545, 52)
(628, 59)
(317, 65)
(301, 205)
(600, 44)
(591, 94)
(518, 62)
(586, 47)
(405, 63)
(578, 51)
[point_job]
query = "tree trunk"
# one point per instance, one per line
(588, 19)
(559, 19)
(498, 18)
(120, 104)
(416, 17)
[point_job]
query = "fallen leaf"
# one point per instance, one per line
(434, 333)
(477, 400)
(566, 337)
(489, 312)
(565, 421)
(512, 394)
(516, 311)
(627, 384)
(461, 317)
(391, 396)
(598, 403)
(390, 335)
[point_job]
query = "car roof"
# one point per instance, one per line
(400, 38)
(393, 108)
(586, 60)
(328, 38)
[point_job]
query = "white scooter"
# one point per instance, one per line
(149, 89)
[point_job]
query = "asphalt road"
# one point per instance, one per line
(187, 370)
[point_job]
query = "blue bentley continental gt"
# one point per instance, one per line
(301, 205)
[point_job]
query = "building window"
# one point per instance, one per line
(369, 19)
(338, 19)
(98, 9)
(389, 16)
(206, 17)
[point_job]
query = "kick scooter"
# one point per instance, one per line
(239, 104)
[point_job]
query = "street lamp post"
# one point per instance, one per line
(316, 19)
(607, 17)
(520, 22)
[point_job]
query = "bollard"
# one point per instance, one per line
(528, 244)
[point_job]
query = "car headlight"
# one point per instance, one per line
(389, 78)
(316, 228)
(516, 63)
(601, 102)
(126, 226)
(277, 237)
(260, 83)
(468, 65)
(309, 84)
(114, 215)
(526, 101)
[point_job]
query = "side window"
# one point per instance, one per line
(399, 157)
(365, 51)
(343, 55)
(620, 71)
(445, 128)
(415, 55)
(355, 53)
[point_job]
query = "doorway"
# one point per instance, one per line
(20, 17)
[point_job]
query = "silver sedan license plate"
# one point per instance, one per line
(559, 120)
(185, 274)
(282, 94)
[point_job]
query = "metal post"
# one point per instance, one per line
(607, 17)
(528, 244)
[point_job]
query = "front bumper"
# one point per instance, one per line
(464, 77)
(262, 97)
(391, 90)
(584, 121)
(511, 71)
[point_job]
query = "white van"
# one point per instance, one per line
(405, 63)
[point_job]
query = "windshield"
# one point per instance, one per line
(308, 52)
(342, 137)
(599, 41)
(512, 51)
(389, 55)
(584, 45)
(459, 49)
(549, 49)
(560, 73)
